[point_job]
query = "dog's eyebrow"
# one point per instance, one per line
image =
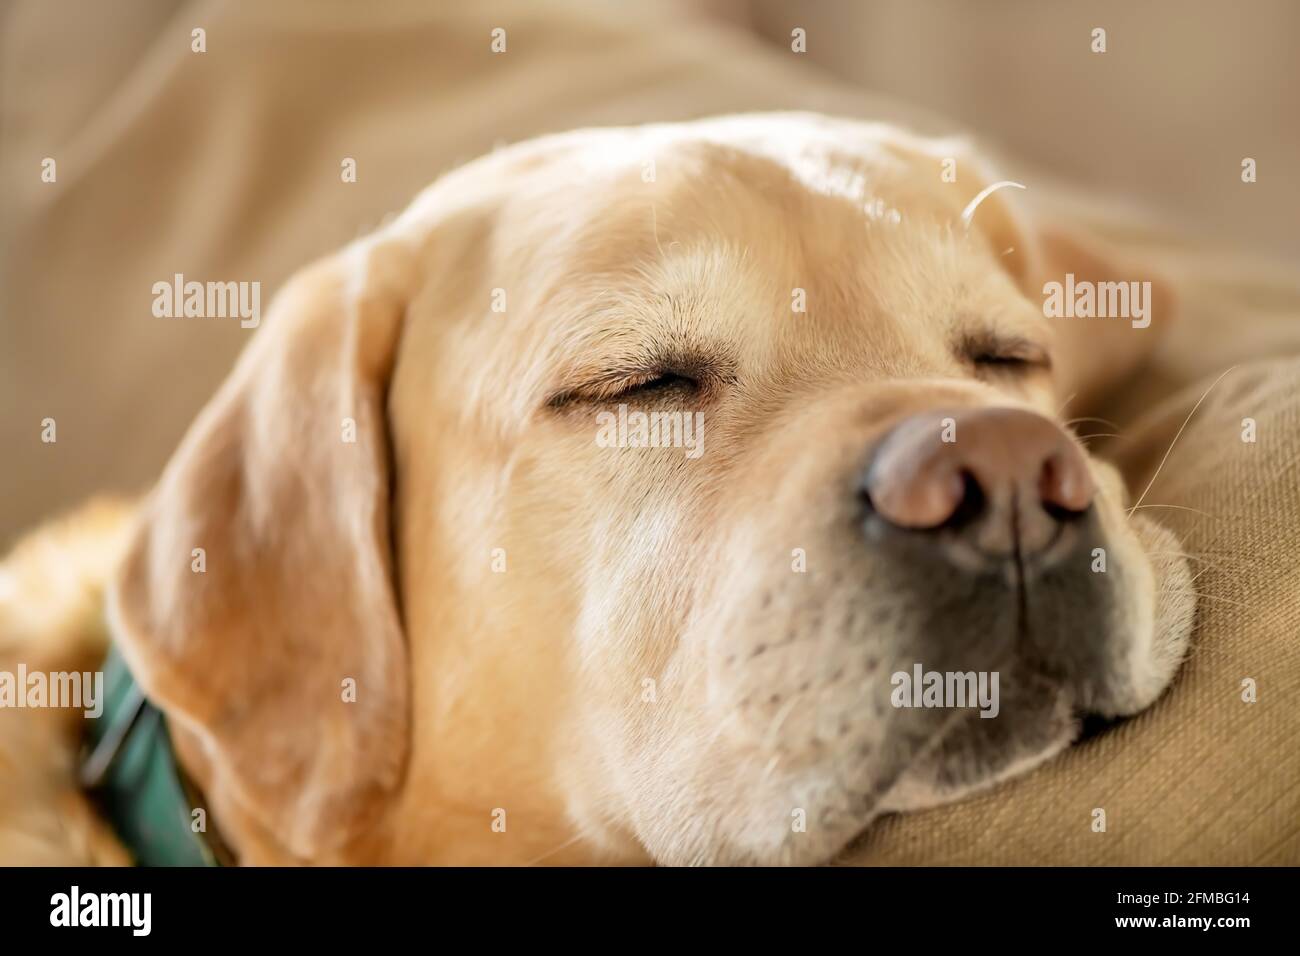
(638, 335)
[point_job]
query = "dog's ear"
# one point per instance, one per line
(257, 604)
(1048, 258)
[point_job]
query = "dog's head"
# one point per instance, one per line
(610, 502)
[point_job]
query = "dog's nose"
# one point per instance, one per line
(1005, 477)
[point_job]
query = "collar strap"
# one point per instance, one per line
(132, 769)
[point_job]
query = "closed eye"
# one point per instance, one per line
(1008, 362)
(666, 381)
(1010, 355)
(643, 386)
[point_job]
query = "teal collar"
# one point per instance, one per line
(132, 769)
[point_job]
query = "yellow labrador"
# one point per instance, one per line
(616, 502)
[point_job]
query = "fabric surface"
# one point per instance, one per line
(225, 165)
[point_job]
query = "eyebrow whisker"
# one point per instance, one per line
(968, 214)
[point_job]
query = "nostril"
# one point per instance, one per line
(972, 504)
(1065, 484)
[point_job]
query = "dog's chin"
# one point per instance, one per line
(974, 753)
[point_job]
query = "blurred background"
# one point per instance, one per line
(1184, 91)
(223, 163)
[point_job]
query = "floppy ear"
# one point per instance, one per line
(283, 483)
(1092, 356)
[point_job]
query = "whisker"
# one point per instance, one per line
(1084, 438)
(1100, 421)
(1215, 552)
(1169, 450)
(1177, 507)
(565, 845)
(1201, 559)
(1201, 596)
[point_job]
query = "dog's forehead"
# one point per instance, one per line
(792, 245)
(844, 157)
(790, 250)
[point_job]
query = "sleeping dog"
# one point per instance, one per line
(399, 602)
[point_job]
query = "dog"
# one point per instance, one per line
(399, 604)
